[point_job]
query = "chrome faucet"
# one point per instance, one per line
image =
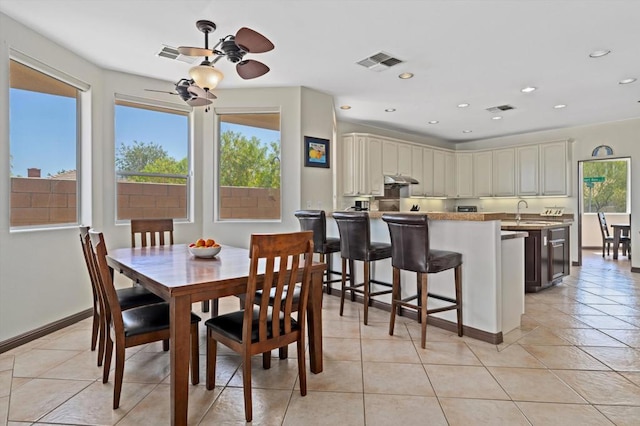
(526, 205)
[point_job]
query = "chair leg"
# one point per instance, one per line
(119, 373)
(423, 309)
(95, 327)
(195, 355)
(108, 350)
(458, 278)
(101, 340)
(344, 284)
(283, 352)
(212, 347)
(246, 383)
(329, 268)
(214, 308)
(302, 369)
(367, 284)
(205, 306)
(266, 360)
(165, 345)
(394, 298)
(352, 278)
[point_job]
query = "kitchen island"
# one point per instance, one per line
(492, 271)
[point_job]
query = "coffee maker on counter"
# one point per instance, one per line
(361, 206)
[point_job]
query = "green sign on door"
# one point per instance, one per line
(596, 179)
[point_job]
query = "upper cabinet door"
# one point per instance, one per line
(349, 175)
(374, 169)
(427, 174)
(504, 172)
(553, 165)
(528, 170)
(404, 159)
(464, 174)
(389, 158)
(451, 187)
(439, 173)
(417, 171)
(482, 173)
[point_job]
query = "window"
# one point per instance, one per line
(152, 161)
(249, 166)
(44, 155)
(605, 186)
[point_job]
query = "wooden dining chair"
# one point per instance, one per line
(128, 297)
(607, 239)
(158, 232)
(133, 327)
(253, 330)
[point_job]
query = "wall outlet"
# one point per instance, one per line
(309, 204)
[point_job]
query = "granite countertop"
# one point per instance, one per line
(473, 217)
(508, 235)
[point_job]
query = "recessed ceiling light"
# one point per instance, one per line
(345, 107)
(496, 117)
(467, 131)
(463, 105)
(390, 110)
(599, 53)
(434, 122)
(559, 106)
(406, 75)
(528, 89)
(627, 81)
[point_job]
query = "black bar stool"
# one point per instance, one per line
(355, 244)
(410, 251)
(316, 221)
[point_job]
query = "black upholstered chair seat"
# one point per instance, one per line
(441, 260)
(147, 319)
(332, 245)
(132, 297)
(378, 251)
(230, 325)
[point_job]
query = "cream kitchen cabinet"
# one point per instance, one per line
(528, 170)
(504, 172)
(439, 173)
(451, 187)
(404, 159)
(482, 174)
(464, 174)
(362, 165)
(389, 157)
(553, 168)
(422, 170)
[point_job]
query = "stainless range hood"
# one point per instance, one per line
(399, 180)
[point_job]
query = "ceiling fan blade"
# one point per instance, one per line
(199, 92)
(251, 69)
(252, 41)
(196, 102)
(194, 51)
(161, 91)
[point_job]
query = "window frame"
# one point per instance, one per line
(218, 112)
(159, 106)
(83, 120)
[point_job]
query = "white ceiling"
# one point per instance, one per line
(480, 52)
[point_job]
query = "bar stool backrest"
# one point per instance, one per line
(409, 241)
(315, 221)
(355, 234)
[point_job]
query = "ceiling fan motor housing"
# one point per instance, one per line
(233, 52)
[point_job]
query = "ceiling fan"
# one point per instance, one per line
(234, 48)
(190, 93)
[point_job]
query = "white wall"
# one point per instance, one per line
(43, 277)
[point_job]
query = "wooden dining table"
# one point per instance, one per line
(174, 274)
(618, 230)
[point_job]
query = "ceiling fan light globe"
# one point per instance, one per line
(206, 76)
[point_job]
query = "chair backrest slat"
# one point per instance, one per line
(280, 255)
(604, 229)
(151, 231)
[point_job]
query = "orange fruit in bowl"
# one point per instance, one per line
(201, 243)
(210, 243)
(216, 245)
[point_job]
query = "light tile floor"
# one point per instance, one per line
(574, 360)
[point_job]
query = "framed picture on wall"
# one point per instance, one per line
(316, 152)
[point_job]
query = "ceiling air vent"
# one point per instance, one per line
(172, 53)
(379, 62)
(500, 108)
